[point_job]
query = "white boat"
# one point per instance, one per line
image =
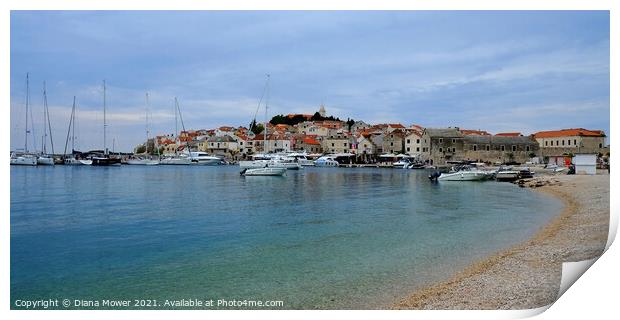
(203, 158)
(402, 163)
(86, 162)
(326, 161)
(45, 160)
(143, 162)
(24, 160)
(464, 174)
(175, 160)
(263, 172)
(301, 158)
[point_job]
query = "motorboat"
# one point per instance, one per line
(301, 158)
(267, 171)
(45, 160)
(203, 158)
(86, 162)
(507, 175)
(23, 160)
(402, 163)
(271, 161)
(326, 161)
(464, 173)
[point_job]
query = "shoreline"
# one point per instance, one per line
(528, 274)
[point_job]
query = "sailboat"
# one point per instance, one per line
(106, 159)
(25, 159)
(73, 159)
(183, 158)
(145, 161)
(264, 166)
(44, 158)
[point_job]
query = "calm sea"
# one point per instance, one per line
(316, 238)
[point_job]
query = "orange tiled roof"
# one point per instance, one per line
(569, 133)
(509, 134)
(396, 125)
(311, 141)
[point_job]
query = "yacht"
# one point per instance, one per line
(203, 158)
(175, 160)
(267, 171)
(23, 160)
(402, 163)
(45, 160)
(301, 158)
(326, 161)
(464, 173)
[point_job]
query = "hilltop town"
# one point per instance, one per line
(321, 134)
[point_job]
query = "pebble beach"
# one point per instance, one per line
(528, 275)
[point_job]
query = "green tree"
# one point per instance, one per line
(141, 149)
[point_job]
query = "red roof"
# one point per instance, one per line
(569, 133)
(509, 134)
(396, 125)
(310, 141)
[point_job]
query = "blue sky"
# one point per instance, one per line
(497, 71)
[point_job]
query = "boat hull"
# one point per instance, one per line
(175, 161)
(45, 161)
(24, 161)
(263, 172)
(143, 162)
(105, 162)
(463, 176)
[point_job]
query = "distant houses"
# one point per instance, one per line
(366, 141)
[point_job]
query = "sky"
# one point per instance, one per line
(498, 71)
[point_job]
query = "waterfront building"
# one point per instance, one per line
(394, 141)
(571, 141)
(413, 143)
(224, 146)
(309, 144)
(337, 143)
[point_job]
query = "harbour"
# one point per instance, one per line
(322, 238)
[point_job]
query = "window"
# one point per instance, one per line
(488, 147)
(408, 141)
(569, 142)
(408, 149)
(345, 144)
(332, 144)
(391, 144)
(562, 142)
(503, 148)
(453, 140)
(575, 142)
(527, 148)
(514, 148)
(440, 149)
(365, 146)
(417, 149)
(546, 143)
(475, 147)
(440, 140)
(600, 145)
(453, 149)
(552, 143)
(391, 136)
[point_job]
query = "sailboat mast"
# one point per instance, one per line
(266, 107)
(73, 129)
(105, 125)
(146, 145)
(27, 102)
(176, 125)
(44, 139)
(47, 114)
(71, 122)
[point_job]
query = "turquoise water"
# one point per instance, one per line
(325, 238)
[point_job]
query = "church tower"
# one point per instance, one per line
(322, 111)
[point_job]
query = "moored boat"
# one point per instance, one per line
(464, 173)
(23, 160)
(267, 171)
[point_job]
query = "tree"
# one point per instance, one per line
(141, 149)
(532, 155)
(256, 128)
